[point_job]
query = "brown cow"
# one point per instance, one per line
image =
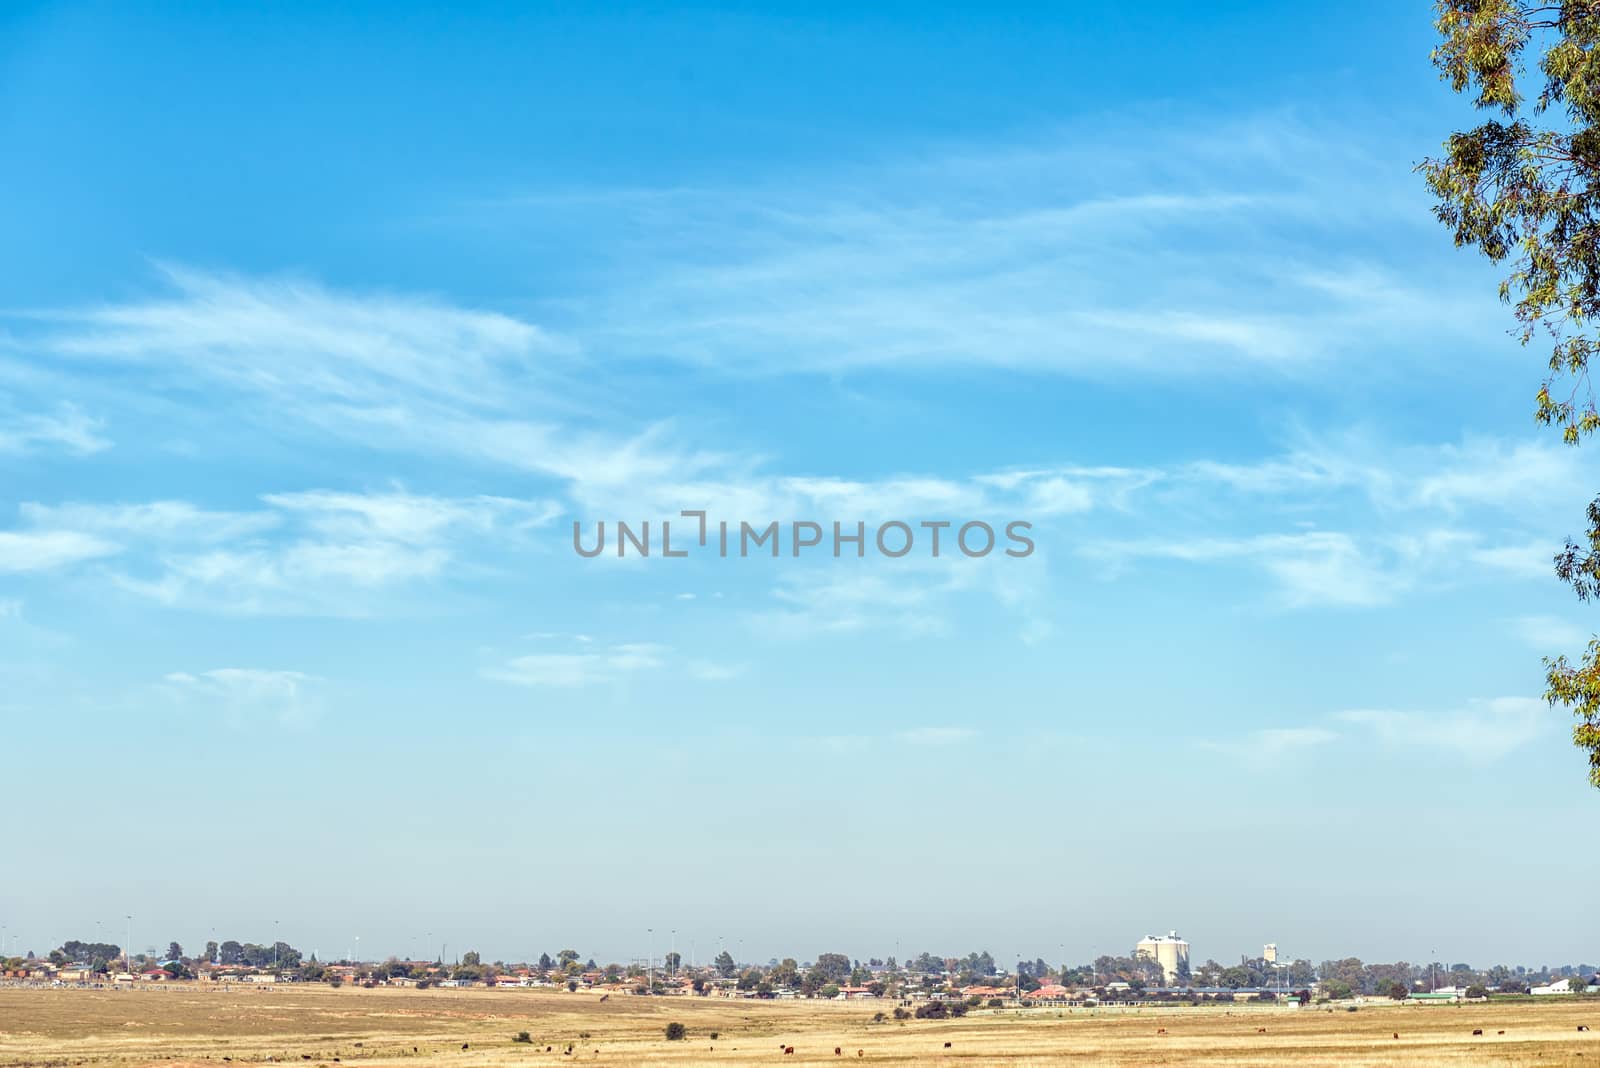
(1477, 1030)
(788, 1049)
(838, 1051)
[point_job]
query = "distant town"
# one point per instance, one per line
(1157, 969)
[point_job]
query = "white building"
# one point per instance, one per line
(1561, 986)
(1168, 950)
(1269, 952)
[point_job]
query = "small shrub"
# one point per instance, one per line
(878, 1017)
(996, 1003)
(583, 1034)
(713, 1036)
(522, 1036)
(676, 1031)
(899, 1013)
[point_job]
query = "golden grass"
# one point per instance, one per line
(193, 1026)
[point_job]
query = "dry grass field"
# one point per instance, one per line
(194, 1027)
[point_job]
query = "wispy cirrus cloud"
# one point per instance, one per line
(1033, 257)
(66, 429)
(247, 696)
(586, 663)
(1272, 747)
(1551, 634)
(295, 340)
(46, 550)
(572, 670)
(937, 736)
(313, 553)
(1483, 731)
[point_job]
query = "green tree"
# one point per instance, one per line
(471, 958)
(836, 966)
(1527, 190)
(174, 951)
(725, 965)
(672, 960)
(676, 1031)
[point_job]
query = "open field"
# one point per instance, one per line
(188, 1025)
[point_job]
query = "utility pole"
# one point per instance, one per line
(128, 956)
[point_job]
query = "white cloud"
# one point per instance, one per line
(49, 549)
(245, 696)
(574, 670)
(67, 429)
(1038, 256)
(1272, 746)
(1310, 568)
(176, 522)
(708, 671)
(316, 552)
(935, 736)
(296, 340)
(1481, 732)
(1550, 634)
(409, 519)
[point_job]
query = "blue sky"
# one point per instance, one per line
(319, 330)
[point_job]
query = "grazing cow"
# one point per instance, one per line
(1261, 1030)
(1583, 1027)
(838, 1051)
(1397, 1034)
(788, 1049)
(305, 1056)
(466, 1045)
(947, 1045)
(1477, 1030)
(1161, 1030)
(605, 997)
(1499, 1032)
(861, 1053)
